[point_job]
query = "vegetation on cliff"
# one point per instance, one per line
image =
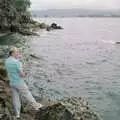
(14, 14)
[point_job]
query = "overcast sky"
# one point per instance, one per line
(54, 4)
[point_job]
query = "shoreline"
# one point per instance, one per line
(31, 28)
(27, 112)
(72, 108)
(4, 34)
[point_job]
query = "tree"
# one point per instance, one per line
(22, 8)
(14, 13)
(22, 5)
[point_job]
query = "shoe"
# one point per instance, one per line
(17, 116)
(38, 106)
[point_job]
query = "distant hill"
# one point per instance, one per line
(76, 13)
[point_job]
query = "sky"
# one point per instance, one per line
(66, 4)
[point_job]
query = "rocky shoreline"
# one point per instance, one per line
(65, 109)
(31, 28)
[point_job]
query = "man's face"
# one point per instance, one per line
(16, 52)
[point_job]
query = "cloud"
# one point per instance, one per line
(51, 4)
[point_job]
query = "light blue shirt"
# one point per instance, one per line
(13, 67)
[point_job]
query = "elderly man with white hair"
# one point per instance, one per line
(19, 88)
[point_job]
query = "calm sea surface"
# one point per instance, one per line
(80, 60)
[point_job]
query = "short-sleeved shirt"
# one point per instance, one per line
(13, 67)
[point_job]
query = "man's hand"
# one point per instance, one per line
(22, 74)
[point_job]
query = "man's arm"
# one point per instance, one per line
(22, 73)
(20, 69)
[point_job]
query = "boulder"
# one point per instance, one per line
(55, 26)
(42, 25)
(68, 109)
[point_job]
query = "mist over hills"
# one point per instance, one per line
(76, 13)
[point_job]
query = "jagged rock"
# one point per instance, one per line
(3, 71)
(68, 109)
(34, 56)
(55, 26)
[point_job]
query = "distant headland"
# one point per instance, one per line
(76, 13)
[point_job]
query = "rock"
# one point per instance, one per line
(48, 28)
(1, 54)
(55, 26)
(42, 25)
(59, 27)
(1, 61)
(117, 42)
(27, 32)
(68, 109)
(5, 101)
(3, 71)
(35, 56)
(6, 109)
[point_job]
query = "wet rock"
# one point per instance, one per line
(68, 109)
(117, 42)
(35, 56)
(55, 26)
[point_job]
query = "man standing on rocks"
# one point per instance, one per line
(18, 85)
